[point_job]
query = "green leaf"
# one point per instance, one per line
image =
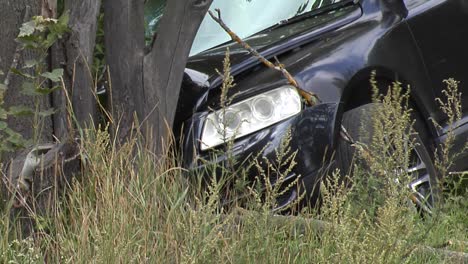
(14, 136)
(20, 73)
(3, 125)
(3, 114)
(63, 19)
(47, 112)
(3, 89)
(30, 42)
(43, 91)
(17, 141)
(1, 72)
(54, 75)
(60, 27)
(41, 223)
(27, 29)
(50, 40)
(20, 110)
(6, 148)
(28, 88)
(30, 63)
(99, 49)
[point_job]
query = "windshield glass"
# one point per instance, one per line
(247, 17)
(244, 17)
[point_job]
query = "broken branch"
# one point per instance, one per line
(310, 98)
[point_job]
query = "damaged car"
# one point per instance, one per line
(330, 47)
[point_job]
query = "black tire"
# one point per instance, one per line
(358, 120)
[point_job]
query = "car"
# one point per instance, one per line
(331, 48)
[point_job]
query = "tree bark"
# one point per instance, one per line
(75, 54)
(165, 64)
(149, 85)
(124, 42)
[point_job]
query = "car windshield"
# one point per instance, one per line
(247, 17)
(244, 17)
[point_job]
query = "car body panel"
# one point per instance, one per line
(331, 55)
(206, 63)
(441, 53)
(310, 131)
(445, 55)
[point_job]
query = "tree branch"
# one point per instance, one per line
(311, 98)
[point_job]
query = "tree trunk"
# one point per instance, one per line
(125, 43)
(165, 64)
(149, 85)
(75, 54)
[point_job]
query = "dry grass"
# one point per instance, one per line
(129, 207)
(132, 211)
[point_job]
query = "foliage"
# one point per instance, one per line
(139, 209)
(99, 62)
(41, 33)
(37, 35)
(145, 210)
(452, 108)
(21, 251)
(9, 139)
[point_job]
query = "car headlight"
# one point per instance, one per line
(251, 115)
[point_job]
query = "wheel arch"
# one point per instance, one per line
(358, 92)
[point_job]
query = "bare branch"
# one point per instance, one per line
(311, 98)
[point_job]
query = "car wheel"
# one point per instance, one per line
(358, 125)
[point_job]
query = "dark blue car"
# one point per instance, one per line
(331, 47)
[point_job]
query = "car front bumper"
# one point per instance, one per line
(312, 135)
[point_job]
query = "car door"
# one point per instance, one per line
(440, 28)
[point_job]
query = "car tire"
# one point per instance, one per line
(358, 125)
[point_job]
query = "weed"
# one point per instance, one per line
(129, 207)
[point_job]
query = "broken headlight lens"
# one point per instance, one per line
(251, 115)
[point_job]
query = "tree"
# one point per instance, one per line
(145, 81)
(75, 54)
(13, 13)
(148, 83)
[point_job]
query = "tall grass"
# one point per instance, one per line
(129, 207)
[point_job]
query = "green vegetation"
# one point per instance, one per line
(36, 36)
(153, 13)
(130, 207)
